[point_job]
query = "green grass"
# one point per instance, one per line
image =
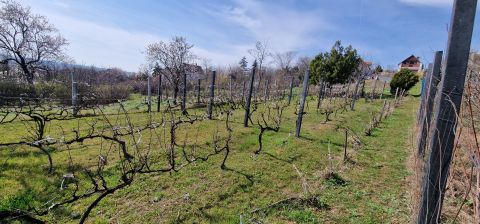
(373, 187)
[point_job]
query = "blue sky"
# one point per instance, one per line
(114, 33)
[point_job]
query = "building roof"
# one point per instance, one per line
(410, 58)
(366, 63)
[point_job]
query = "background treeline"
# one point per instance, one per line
(93, 84)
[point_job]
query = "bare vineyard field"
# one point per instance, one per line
(370, 187)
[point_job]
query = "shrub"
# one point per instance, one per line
(404, 80)
(335, 66)
(52, 90)
(105, 94)
(13, 89)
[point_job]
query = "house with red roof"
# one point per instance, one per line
(411, 63)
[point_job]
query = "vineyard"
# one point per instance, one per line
(288, 138)
(174, 167)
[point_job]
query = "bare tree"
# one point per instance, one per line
(260, 54)
(303, 63)
(174, 57)
(284, 60)
(27, 39)
(206, 64)
(360, 76)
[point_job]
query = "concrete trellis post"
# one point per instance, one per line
(374, 88)
(356, 95)
(159, 92)
(291, 91)
(347, 92)
(320, 94)
(429, 95)
(243, 92)
(266, 90)
(149, 93)
(184, 93)
(382, 112)
(423, 94)
(198, 90)
(212, 95)
(447, 103)
(345, 146)
(302, 103)
(383, 89)
(74, 95)
(362, 93)
(249, 96)
(230, 86)
(275, 90)
(396, 94)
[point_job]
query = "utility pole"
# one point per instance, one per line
(447, 103)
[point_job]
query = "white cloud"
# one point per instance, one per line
(93, 43)
(99, 44)
(61, 3)
(108, 46)
(437, 3)
(283, 28)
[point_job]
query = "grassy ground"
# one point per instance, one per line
(372, 188)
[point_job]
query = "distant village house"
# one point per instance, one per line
(411, 63)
